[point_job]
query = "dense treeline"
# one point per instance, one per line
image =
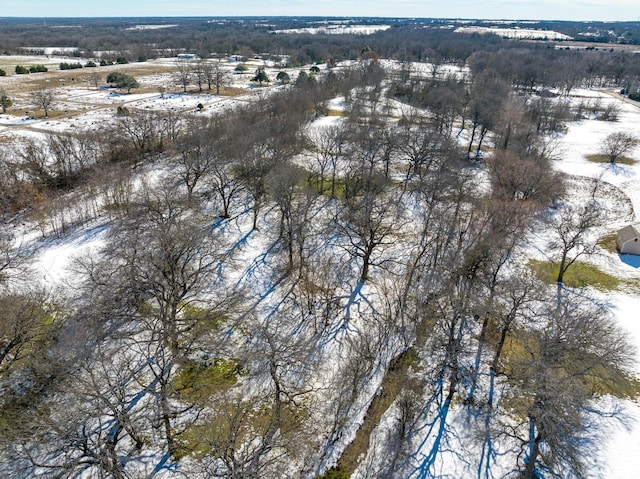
(532, 65)
(406, 39)
(260, 273)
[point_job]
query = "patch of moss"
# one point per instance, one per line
(6, 139)
(630, 285)
(231, 423)
(579, 275)
(48, 318)
(19, 414)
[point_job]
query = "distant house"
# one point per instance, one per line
(628, 240)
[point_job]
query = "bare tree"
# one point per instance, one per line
(156, 268)
(171, 256)
(422, 148)
(214, 74)
(517, 177)
(115, 184)
(21, 328)
(253, 171)
(36, 164)
(225, 184)
(574, 353)
(328, 147)
(184, 73)
(268, 146)
(141, 132)
(13, 258)
(488, 93)
(294, 202)
(289, 361)
(571, 227)
(199, 152)
(618, 144)
(369, 223)
(43, 98)
(103, 417)
(95, 79)
(198, 70)
(70, 155)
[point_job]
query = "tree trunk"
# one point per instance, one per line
(563, 267)
(481, 341)
(483, 132)
(256, 209)
(366, 262)
(473, 137)
(333, 182)
(166, 418)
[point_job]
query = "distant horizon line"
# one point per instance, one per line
(133, 17)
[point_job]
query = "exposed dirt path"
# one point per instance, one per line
(392, 384)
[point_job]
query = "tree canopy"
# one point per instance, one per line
(122, 80)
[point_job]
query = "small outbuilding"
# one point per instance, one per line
(628, 240)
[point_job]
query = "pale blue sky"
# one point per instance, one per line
(623, 10)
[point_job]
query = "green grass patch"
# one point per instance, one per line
(227, 426)
(411, 358)
(205, 320)
(614, 382)
(39, 114)
(579, 275)
(608, 242)
(519, 357)
(197, 381)
(332, 112)
(630, 286)
(334, 473)
(232, 91)
(232, 423)
(324, 187)
(621, 160)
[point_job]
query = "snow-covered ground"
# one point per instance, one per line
(619, 454)
(620, 451)
(86, 107)
(339, 29)
(519, 33)
(616, 457)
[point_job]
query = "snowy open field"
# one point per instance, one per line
(583, 138)
(520, 33)
(78, 105)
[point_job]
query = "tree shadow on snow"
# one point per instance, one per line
(619, 170)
